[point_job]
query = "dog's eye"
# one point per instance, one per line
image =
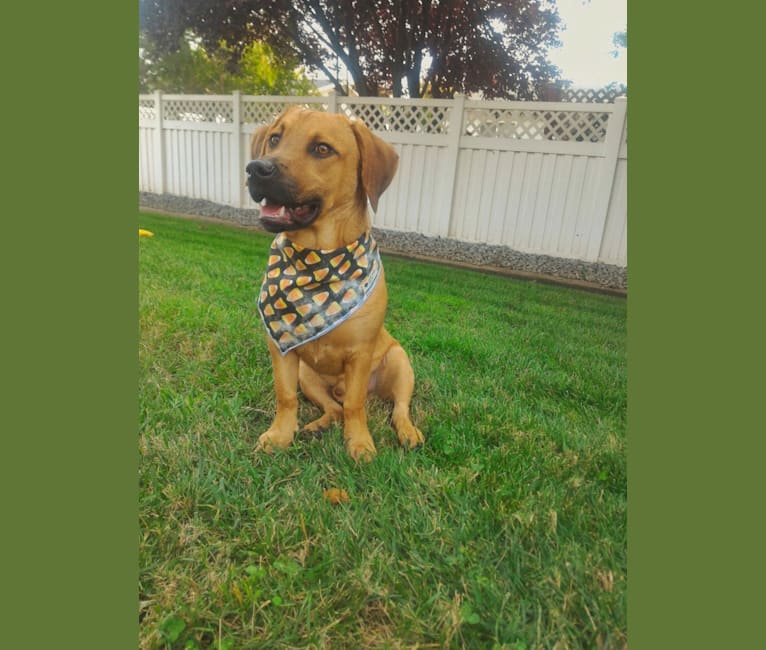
(322, 150)
(274, 140)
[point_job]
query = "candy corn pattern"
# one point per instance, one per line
(306, 293)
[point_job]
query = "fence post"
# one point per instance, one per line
(159, 145)
(612, 146)
(237, 169)
(445, 227)
(332, 102)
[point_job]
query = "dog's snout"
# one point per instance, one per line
(261, 168)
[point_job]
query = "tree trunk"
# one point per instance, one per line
(413, 76)
(396, 89)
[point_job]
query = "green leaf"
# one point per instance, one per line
(171, 628)
(289, 567)
(254, 571)
(468, 615)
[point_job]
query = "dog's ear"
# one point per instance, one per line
(257, 144)
(378, 162)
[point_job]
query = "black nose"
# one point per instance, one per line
(261, 168)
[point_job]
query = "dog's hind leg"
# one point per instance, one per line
(396, 381)
(320, 393)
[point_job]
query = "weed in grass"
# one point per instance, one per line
(506, 530)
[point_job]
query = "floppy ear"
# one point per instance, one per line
(378, 161)
(257, 148)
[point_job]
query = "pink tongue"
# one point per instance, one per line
(270, 210)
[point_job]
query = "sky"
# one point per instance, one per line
(584, 58)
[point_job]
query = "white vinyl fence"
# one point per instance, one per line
(545, 178)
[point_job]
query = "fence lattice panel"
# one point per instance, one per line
(605, 95)
(259, 112)
(147, 110)
(516, 124)
(398, 118)
(196, 110)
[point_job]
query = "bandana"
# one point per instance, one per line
(306, 293)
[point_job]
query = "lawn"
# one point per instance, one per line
(506, 530)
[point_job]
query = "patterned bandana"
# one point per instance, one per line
(306, 293)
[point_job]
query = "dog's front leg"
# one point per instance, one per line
(282, 430)
(356, 373)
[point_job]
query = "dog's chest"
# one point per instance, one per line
(322, 356)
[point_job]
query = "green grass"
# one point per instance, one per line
(506, 530)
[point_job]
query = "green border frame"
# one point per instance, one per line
(70, 300)
(695, 381)
(70, 342)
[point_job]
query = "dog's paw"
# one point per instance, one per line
(311, 434)
(316, 428)
(361, 450)
(410, 436)
(272, 440)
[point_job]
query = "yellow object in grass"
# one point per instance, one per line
(145, 233)
(335, 496)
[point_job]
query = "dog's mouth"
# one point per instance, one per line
(277, 217)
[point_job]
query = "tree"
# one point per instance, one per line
(421, 47)
(193, 68)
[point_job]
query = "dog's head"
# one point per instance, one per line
(307, 164)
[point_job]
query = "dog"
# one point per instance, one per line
(324, 296)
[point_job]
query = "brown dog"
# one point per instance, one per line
(324, 295)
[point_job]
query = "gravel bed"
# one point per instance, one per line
(451, 250)
(198, 208)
